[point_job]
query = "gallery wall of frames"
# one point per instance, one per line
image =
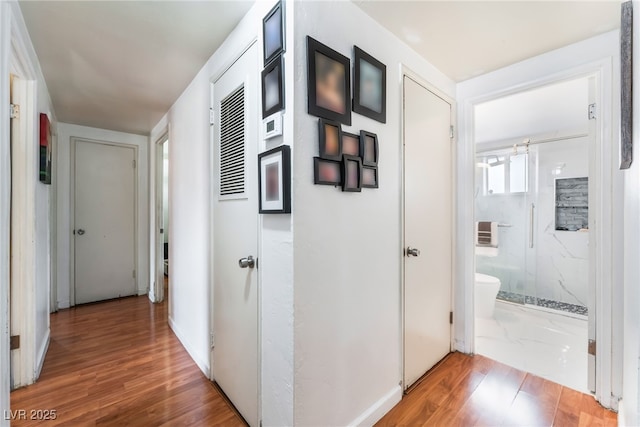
(274, 166)
(346, 160)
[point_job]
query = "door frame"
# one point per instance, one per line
(215, 76)
(408, 72)
(608, 373)
(72, 210)
(157, 272)
(23, 180)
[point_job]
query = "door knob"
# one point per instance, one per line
(413, 251)
(248, 262)
(80, 231)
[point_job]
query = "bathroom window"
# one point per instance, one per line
(506, 174)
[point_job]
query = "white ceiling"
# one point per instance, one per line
(120, 65)
(464, 39)
(557, 108)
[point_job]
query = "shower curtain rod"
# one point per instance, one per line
(533, 142)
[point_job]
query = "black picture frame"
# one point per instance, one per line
(272, 86)
(329, 139)
(274, 181)
(369, 177)
(273, 31)
(626, 85)
(369, 86)
(351, 174)
(350, 144)
(324, 101)
(327, 172)
(369, 148)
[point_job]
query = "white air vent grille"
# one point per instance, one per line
(232, 162)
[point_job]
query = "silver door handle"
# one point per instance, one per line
(413, 251)
(249, 262)
(531, 218)
(80, 231)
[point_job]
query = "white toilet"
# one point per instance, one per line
(486, 291)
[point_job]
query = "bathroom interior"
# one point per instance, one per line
(532, 201)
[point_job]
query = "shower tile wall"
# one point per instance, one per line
(558, 263)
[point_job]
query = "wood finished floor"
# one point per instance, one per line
(117, 363)
(476, 391)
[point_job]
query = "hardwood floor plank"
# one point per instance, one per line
(118, 363)
(476, 391)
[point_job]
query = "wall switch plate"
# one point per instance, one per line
(272, 126)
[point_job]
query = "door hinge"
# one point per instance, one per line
(14, 111)
(212, 117)
(134, 164)
(592, 112)
(591, 348)
(212, 340)
(14, 342)
(451, 132)
(134, 274)
(451, 317)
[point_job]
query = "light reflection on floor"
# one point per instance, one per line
(546, 344)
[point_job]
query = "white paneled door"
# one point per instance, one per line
(235, 235)
(428, 230)
(104, 214)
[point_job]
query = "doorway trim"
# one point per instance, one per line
(157, 272)
(608, 373)
(406, 71)
(72, 200)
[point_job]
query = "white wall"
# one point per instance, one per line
(347, 246)
(22, 61)
(5, 209)
(598, 53)
(629, 414)
(65, 211)
(191, 226)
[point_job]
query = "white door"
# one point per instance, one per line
(235, 235)
(104, 231)
(428, 230)
(162, 216)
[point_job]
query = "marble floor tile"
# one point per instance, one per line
(552, 346)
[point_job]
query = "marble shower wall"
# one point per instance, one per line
(557, 267)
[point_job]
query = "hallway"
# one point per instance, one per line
(118, 363)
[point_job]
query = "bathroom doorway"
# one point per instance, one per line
(534, 281)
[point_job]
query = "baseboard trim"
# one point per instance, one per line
(204, 366)
(376, 411)
(63, 304)
(42, 352)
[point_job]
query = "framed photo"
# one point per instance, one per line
(45, 149)
(272, 88)
(369, 177)
(274, 180)
(350, 144)
(369, 86)
(330, 139)
(369, 148)
(626, 89)
(327, 172)
(351, 173)
(273, 33)
(328, 83)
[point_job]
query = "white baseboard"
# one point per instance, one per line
(63, 304)
(376, 411)
(42, 352)
(203, 365)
